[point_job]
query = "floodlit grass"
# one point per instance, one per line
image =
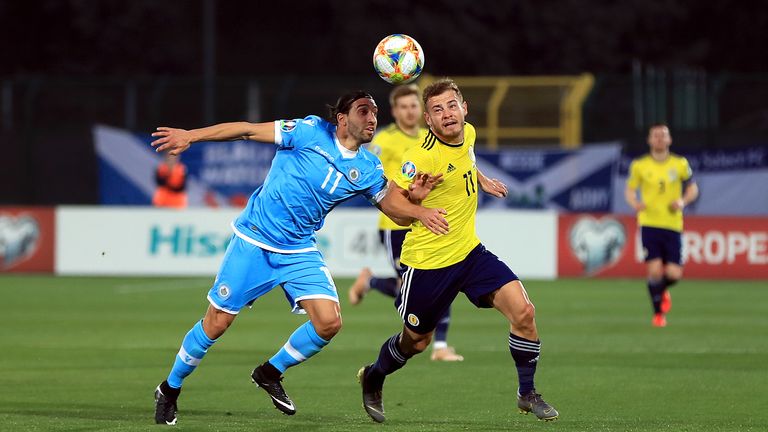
(84, 354)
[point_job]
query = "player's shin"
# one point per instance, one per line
(656, 289)
(193, 348)
(303, 344)
(391, 358)
(525, 353)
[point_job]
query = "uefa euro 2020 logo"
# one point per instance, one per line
(408, 170)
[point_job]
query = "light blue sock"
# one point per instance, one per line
(193, 348)
(303, 344)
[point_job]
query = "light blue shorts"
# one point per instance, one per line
(248, 272)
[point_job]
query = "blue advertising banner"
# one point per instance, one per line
(219, 174)
(565, 180)
(590, 179)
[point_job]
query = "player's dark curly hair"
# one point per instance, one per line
(344, 103)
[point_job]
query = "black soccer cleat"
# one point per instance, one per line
(275, 391)
(372, 399)
(165, 405)
(532, 402)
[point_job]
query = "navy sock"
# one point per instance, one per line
(526, 355)
(391, 358)
(386, 286)
(441, 331)
(656, 291)
(668, 282)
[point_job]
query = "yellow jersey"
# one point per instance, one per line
(457, 194)
(660, 183)
(389, 145)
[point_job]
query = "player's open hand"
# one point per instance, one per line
(493, 187)
(422, 184)
(433, 219)
(175, 141)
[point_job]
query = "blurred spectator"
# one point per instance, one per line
(171, 180)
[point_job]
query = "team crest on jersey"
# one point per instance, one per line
(287, 126)
(408, 170)
(413, 320)
(354, 174)
(224, 291)
(672, 175)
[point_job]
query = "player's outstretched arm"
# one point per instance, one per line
(176, 141)
(396, 206)
(491, 186)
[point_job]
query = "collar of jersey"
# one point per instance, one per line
(443, 142)
(345, 152)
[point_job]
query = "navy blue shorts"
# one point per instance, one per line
(662, 243)
(426, 295)
(393, 244)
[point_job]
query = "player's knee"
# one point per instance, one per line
(216, 323)
(421, 345)
(525, 316)
(413, 344)
(328, 328)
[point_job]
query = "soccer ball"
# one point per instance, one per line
(398, 59)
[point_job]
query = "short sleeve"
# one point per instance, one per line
(633, 181)
(685, 170)
(291, 133)
(375, 193)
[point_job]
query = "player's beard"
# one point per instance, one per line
(360, 133)
(450, 135)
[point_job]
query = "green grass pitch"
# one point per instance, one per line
(84, 354)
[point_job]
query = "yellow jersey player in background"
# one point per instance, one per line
(438, 268)
(389, 144)
(666, 186)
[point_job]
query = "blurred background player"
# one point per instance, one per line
(319, 165)
(438, 268)
(666, 187)
(389, 144)
(171, 181)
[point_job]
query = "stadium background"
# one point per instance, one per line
(85, 347)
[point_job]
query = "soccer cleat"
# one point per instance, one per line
(372, 399)
(659, 320)
(358, 289)
(275, 391)
(666, 302)
(165, 408)
(532, 402)
(447, 354)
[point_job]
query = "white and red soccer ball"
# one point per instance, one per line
(398, 59)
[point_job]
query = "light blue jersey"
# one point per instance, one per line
(274, 241)
(310, 175)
